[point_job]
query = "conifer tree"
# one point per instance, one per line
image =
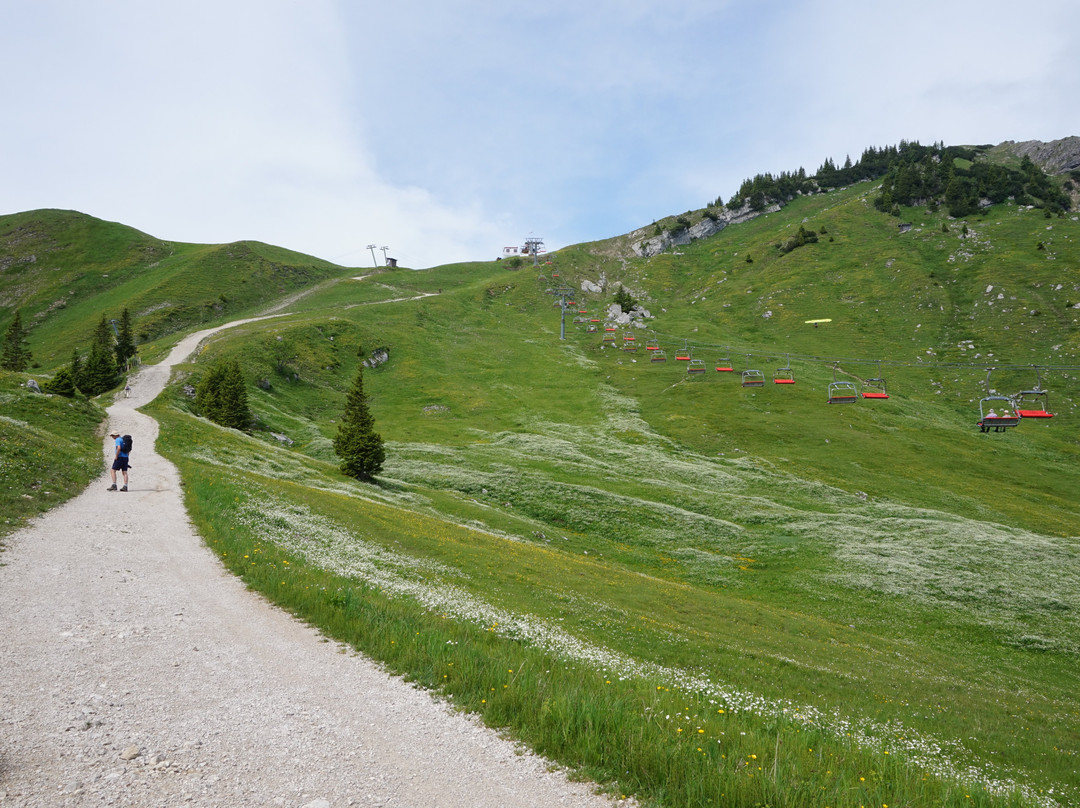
(125, 340)
(234, 401)
(61, 384)
(76, 366)
(99, 373)
(14, 354)
(357, 443)
(222, 395)
(208, 392)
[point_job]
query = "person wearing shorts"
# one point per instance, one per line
(120, 462)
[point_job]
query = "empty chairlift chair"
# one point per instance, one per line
(658, 356)
(752, 378)
(696, 367)
(1033, 403)
(875, 388)
(723, 365)
(784, 375)
(683, 354)
(842, 392)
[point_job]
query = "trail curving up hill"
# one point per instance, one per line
(134, 671)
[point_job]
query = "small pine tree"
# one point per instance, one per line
(624, 298)
(15, 355)
(61, 384)
(76, 366)
(125, 340)
(208, 392)
(234, 401)
(357, 443)
(221, 396)
(99, 372)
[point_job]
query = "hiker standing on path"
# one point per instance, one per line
(120, 461)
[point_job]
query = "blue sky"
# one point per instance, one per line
(447, 130)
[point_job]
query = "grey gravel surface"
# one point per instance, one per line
(134, 671)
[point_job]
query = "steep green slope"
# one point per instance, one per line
(63, 269)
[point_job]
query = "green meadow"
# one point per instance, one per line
(690, 591)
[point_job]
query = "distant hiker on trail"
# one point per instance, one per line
(120, 459)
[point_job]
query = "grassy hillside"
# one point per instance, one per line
(696, 592)
(63, 269)
(879, 575)
(50, 449)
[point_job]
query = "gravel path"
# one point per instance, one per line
(134, 671)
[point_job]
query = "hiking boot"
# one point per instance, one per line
(124, 488)
(111, 487)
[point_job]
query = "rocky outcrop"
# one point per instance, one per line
(635, 317)
(1055, 157)
(708, 226)
(378, 357)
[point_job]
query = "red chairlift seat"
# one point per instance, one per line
(1033, 403)
(1034, 414)
(696, 367)
(784, 375)
(658, 356)
(875, 388)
